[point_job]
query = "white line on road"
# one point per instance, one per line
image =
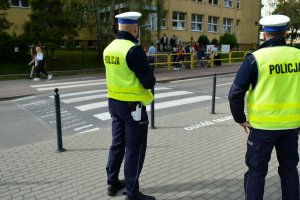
(83, 127)
(81, 93)
(94, 129)
(92, 106)
(70, 86)
(223, 84)
(106, 115)
(66, 83)
(79, 99)
(105, 104)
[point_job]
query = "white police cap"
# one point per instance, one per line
(128, 17)
(275, 23)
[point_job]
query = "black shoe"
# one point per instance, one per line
(141, 196)
(112, 190)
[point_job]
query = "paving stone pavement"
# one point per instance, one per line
(192, 155)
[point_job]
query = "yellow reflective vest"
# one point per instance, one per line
(274, 103)
(122, 84)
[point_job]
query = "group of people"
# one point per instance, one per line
(164, 43)
(273, 109)
(37, 64)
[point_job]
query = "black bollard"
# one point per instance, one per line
(152, 111)
(58, 122)
(214, 94)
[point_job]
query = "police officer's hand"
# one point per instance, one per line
(246, 126)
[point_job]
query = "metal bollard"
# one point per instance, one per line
(214, 94)
(152, 111)
(58, 122)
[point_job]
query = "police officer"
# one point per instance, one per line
(128, 78)
(271, 76)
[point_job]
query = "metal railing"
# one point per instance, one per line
(191, 59)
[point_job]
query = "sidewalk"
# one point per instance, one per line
(191, 155)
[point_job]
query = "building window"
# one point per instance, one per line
(178, 20)
(164, 21)
(228, 3)
(227, 25)
(238, 4)
(77, 43)
(91, 44)
(197, 21)
(212, 24)
(198, 1)
(19, 3)
(214, 2)
(238, 23)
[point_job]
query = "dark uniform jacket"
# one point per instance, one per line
(136, 59)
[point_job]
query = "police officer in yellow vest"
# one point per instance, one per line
(271, 78)
(128, 78)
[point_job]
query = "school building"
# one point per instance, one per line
(186, 19)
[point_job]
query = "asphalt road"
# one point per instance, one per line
(84, 108)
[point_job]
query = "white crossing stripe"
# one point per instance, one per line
(105, 104)
(171, 94)
(71, 86)
(99, 91)
(81, 93)
(157, 106)
(87, 131)
(83, 127)
(92, 106)
(79, 99)
(66, 83)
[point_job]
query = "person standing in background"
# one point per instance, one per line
(33, 62)
(151, 56)
(41, 65)
(164, 42)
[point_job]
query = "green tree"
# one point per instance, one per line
(214, 41)
(101, 18)
(290, 8)
(4, 24)
(228, 38)
(203, 40)
(52, 20)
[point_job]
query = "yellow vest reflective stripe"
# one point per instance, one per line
(122, 84)
(274, 103)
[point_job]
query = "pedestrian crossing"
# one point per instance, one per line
(70, 84)
(86, 111)
(164, 98)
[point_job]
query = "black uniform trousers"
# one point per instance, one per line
(129, 138)
(259, 148)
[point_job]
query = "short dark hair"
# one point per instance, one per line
(276, 34)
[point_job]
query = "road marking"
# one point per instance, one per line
(66, 83)
(191, 79)
(83, 127)
(35, 103)
(223, 84)
(157, 106)
(81, 93)
(90, 130)
(92, 106)
(207, 123)
(70, 86)
(105, 104)
(80, 99)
